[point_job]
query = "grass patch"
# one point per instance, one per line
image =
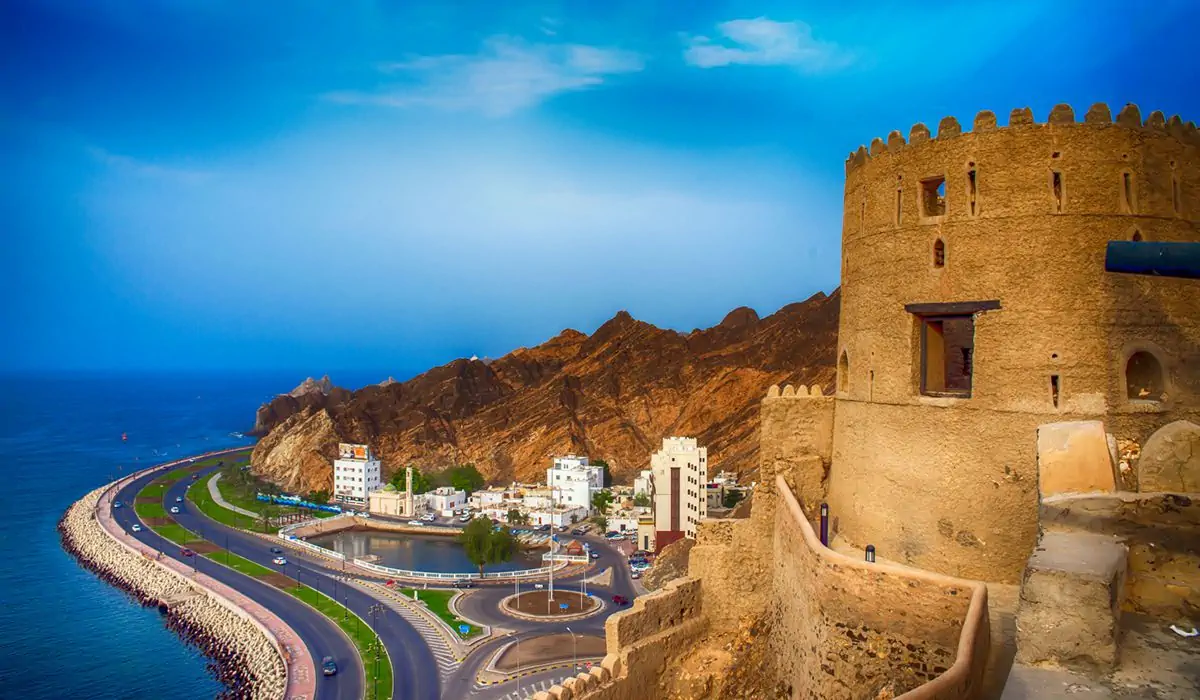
(176, 533)
(241, 564)
(245, 496)
(198, 494)
(438, 603)
(359, 632)
(150, 510)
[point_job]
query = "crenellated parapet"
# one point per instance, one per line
(1098, 115)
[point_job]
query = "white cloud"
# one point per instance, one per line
(507, 75)
(142, 168)
(765, 42)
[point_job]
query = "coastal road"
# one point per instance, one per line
(319, 634)
(414, 669)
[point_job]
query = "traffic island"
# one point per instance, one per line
(577, 653)
(538, 605)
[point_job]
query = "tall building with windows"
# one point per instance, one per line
(356, 473)
(679, 472)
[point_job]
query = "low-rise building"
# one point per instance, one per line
(643, 483)
(356, 473)
(574, 481)
(390, 501)
(446, 499)
(645, 530)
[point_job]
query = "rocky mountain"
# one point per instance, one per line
(613, 395)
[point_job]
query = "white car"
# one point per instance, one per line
(174, 509)
(136, 527)
(179, 499)
(416, 523)
(279, 561)
(429, 518)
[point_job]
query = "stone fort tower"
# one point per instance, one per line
(975, 307)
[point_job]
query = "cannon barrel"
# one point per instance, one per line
(1153, 258)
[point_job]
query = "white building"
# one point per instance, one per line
(574, 481)
(446, 499)
(644, 483)
(680, 472)
(562, 516)
(356, 473)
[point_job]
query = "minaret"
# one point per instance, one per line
(408, 494)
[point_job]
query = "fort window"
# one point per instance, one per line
(1056, 185)
(1175, 195)
(1054, 389)
(947, 344)
(843, 372)
(899, 201)
(939, 253)
(1144, 377)
(933, 196)
(972, 186)
(1137, 236)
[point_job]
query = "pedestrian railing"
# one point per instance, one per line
(463, 576)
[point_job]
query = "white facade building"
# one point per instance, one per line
(446, 499)
(356, 473)
(680, 472)
(574, 481)
(644, 483)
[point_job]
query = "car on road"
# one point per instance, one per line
(185, 552)
(279, 561)
(429, 518)
(175, 509)
(276, 550)
(116, 504)
(613, 536)
(136, 527)
(578, 531)
(328, 666)
(595, 555)
(179, 499)
(417, 523)
(620, 600)
(465, 519)
(635, 575)
(464, 584)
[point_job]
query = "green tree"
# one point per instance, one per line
(601, 522)
(731, 498)
(516, 517)
(601, 501)
(421, 482)
(484, 544)
(320, 497)
(607, 472)
(464, 477)
(642, 500)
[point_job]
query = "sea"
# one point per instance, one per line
(63, 632)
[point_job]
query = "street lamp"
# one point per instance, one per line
(517, 642)
(376, 610)
(574, 654)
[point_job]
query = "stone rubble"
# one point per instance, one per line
(243, 659)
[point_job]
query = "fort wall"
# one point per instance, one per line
(1015, 220)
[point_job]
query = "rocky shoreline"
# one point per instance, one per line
(242, 657)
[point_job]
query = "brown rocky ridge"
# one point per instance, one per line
(612, 395)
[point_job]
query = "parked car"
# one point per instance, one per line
(175, 509)
(577, 531)
(635, 575)
(614, 536)
(279, 561)
(136, 527)
(328, 666)
(429, 518)
(276, 550)
(417, 523)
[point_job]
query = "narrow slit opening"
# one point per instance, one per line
(1054, 390)
(1056, 184)
(1175, 195)
(971, 184)
(899, 193)
(1127, 191)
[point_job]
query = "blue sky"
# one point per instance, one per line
(387, 186)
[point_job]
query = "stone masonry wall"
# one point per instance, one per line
(848, 629)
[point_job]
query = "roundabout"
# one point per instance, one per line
(543, 606)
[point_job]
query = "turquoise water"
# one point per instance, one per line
(63, 632)
(416, 552)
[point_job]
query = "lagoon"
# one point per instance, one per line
(440, 554)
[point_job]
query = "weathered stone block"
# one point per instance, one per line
(1074, 457)
(1170, 459)
(1070, 601)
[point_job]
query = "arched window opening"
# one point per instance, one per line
(1137, 236)
(939, 253)
(843, 372)
(1144, 377)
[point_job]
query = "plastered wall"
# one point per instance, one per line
(903, 462)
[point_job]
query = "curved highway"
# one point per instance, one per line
(319, 634)
(414, 669)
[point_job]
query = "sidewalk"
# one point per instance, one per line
(220, 500)
(301, 668)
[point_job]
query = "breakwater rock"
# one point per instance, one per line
(242, 656)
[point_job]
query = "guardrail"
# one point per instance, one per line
(463, 576)
(566, 557)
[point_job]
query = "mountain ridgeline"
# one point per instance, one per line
(612, 395)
